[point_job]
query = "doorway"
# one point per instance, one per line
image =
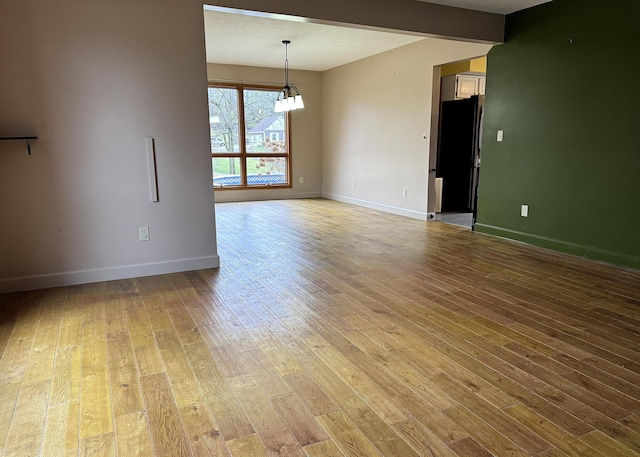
(456, 163)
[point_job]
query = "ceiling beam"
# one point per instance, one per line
(409, 16)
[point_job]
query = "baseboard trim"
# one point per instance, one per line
(380, 207)
(229, 196)
(106, 274)
(589, 252)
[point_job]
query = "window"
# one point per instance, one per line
(249, 142)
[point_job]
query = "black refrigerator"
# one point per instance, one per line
(458, 161)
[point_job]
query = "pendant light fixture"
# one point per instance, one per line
(288, 100)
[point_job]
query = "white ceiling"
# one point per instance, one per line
(242, 38)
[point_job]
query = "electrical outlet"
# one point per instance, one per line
(143, 233)
(404, 191)
(524, 211)
(353, 183)
(500, 136)
(301, 180)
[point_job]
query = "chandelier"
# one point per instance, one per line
(289, 97)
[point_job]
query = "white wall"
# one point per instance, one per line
(376, 112)
(92, 80)
(306, 130)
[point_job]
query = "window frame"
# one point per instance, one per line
(243, 155)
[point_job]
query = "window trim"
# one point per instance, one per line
(242, 140)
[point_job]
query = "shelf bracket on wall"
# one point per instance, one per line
(26, 139)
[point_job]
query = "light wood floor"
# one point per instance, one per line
(330, 330)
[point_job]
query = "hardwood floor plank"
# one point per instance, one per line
(423, 441)
(67, 375)
(608, 378)
(98, 446)
(343, 432)
(467, 447)
(373, 395)
(582, 391)
(229, 415)
(422, 386)
(125, 390)
(261, 370)
(192, 296)
(282, 361)
(16, 353)
(203, 318)
(264, 313)
(115, 320)
(298, 419)
(312, 395)
(185, 327)
(229, 361)
(369, 423)
(249, 446)
(8, 400)
(52, 306)
(235, 332)
(553, 434)
(608, 389)
(157, 313)
(132, 435)
(6, 328)
(148, 359)
(606, 445)
(272, 431)
(184, 385)
(323, 449)
(167, 434)
(485, 435)
(520, 435)
(632, 422)
(95, 400)
(95, 404)
(593, 418)
(171, 297)
(620, 371)
(27, 424)
(212, 334)
(242, 309)
(61, 435)
(201, 428)
(71, 323)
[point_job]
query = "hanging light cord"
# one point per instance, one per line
(286, 67)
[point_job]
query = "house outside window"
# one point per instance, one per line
(250, 143)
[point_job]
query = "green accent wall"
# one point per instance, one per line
(565, 88)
